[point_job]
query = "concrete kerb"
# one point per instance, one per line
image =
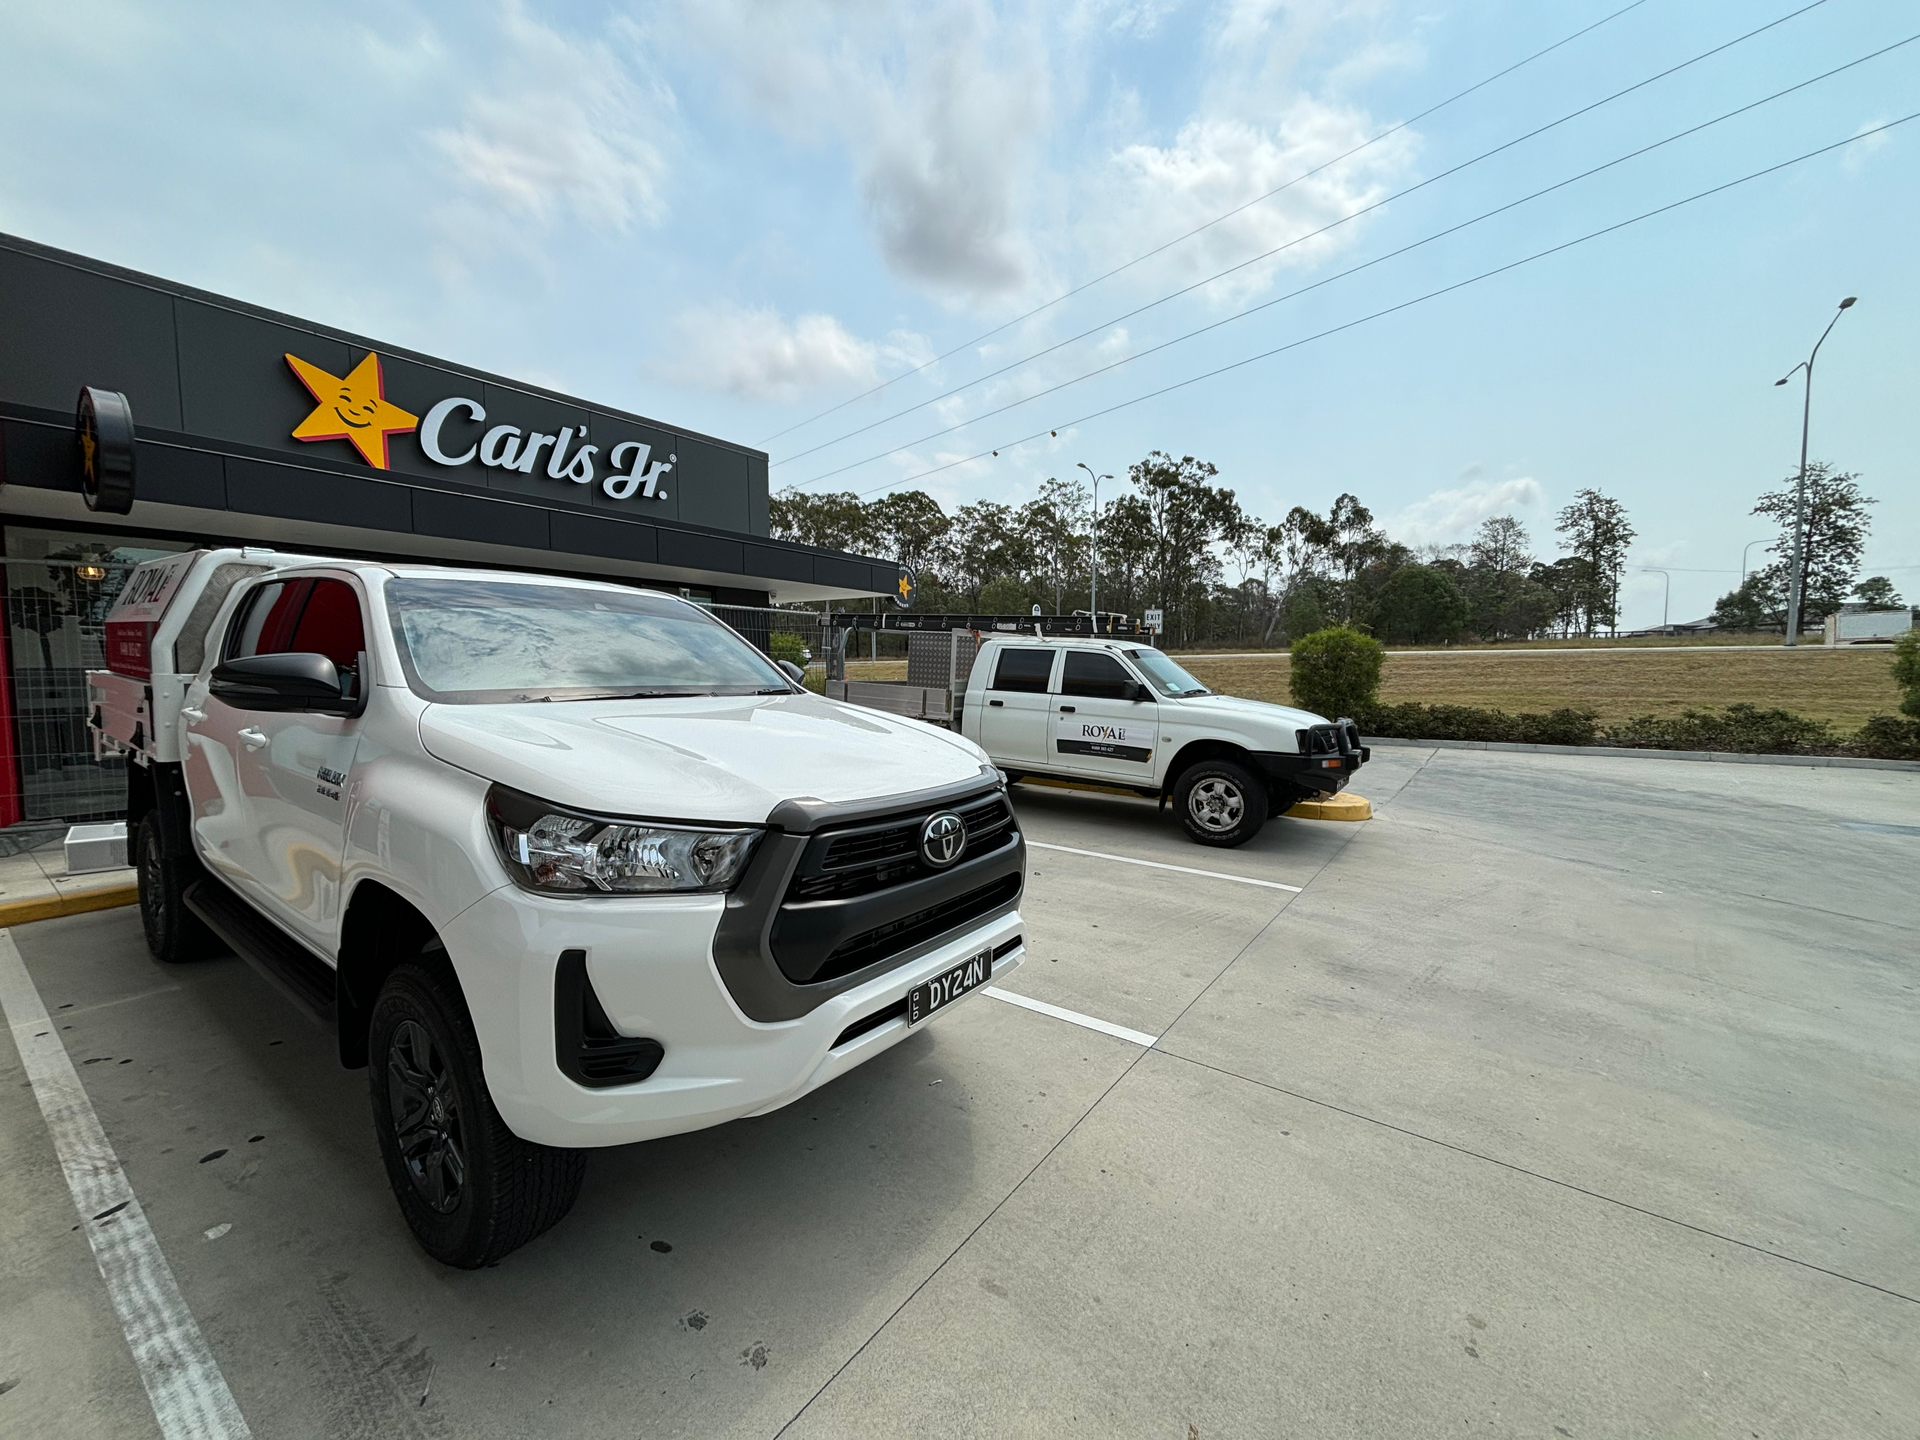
(1629, 752)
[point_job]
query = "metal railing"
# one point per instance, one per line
(56, 632)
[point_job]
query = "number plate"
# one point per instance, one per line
(943, 990)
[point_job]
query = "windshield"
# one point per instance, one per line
(1165, 676)
(481, 642)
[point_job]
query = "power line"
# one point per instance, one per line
(1297, 240)
(1218, 219)
(1403, 305)
(1363, 265)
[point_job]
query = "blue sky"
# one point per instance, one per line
(734, 215)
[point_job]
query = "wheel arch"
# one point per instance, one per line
(380, 931)
(1195, 751)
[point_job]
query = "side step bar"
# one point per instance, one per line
(287, 965)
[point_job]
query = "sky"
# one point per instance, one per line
(735, 216)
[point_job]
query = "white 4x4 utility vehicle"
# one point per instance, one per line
(567, 864)
(1123, 714)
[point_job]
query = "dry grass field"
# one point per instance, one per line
(1843, 687)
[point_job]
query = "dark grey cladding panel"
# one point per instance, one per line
(759, 518)
(575, 533)
(845, 574)
(711, 486)
(478, 518)
(61, 328)
(175, 475)
(235, 382)
(702, 552)
(777, 562)
(39, 456)
(259, 488)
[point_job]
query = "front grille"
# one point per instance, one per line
(874, 858)
(868, 946)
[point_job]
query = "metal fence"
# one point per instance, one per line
(56, 629)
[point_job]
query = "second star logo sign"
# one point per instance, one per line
(356, 409)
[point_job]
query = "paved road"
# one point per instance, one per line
(1566, 1097)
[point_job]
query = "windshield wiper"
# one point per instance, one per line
(775, 690)
(648, 695)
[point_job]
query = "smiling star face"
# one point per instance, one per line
(354, 409)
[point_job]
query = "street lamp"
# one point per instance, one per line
(1744, 552)
(1800, 489)
(1093, 589)
(1666, 592)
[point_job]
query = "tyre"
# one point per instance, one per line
(472, 1191)
(174, 933)
(1221, 803)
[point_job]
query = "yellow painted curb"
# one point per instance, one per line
(1335, 807)
(51, 907)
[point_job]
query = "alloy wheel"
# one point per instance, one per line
(426, 1116)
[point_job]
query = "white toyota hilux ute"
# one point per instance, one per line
(567, 864)
(1124, 714)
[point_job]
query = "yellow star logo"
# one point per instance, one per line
(355, 409)
(906, 587)
(87, 446)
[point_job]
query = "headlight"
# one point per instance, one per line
(560, 852)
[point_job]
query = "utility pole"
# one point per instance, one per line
(1794, 581)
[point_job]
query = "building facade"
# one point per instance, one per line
(251, 427)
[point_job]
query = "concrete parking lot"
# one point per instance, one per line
(1567, 1097)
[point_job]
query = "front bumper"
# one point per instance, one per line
(1329, 756)
(650, 961)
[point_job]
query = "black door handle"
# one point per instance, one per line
(996, 703)
(1066, 709)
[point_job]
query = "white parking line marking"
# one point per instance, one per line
(189, 1395)
(1161, 865)
(1072, 1017)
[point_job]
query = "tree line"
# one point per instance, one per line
(1176, 540)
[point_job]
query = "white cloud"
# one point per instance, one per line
(1216, 163)
(1450, 516)
(1854, 158)
(752, 352)
(562, 124)
(939, 105)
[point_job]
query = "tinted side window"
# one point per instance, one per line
(1098, 676)
(1023, 670)
(317, 616)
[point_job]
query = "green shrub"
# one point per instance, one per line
(1888, 737)
(1742, 728)
(785, 645)
(1906, 671)
(1335, 672)
(1467, 722)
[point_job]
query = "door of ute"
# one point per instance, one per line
(1097, 726)
(1013, 708)
(299, 799)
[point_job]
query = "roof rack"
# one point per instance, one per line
(1107, 623)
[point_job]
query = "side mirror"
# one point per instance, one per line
(295, 682)
(793, 672)
(1137, 692)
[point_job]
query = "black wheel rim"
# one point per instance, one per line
(426, 1116)
(153, 895)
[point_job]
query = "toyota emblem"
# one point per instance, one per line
(942, 839)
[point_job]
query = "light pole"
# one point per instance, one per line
(1800, 489)
(1093, 589)
(1666, 591)
(1744, 552)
